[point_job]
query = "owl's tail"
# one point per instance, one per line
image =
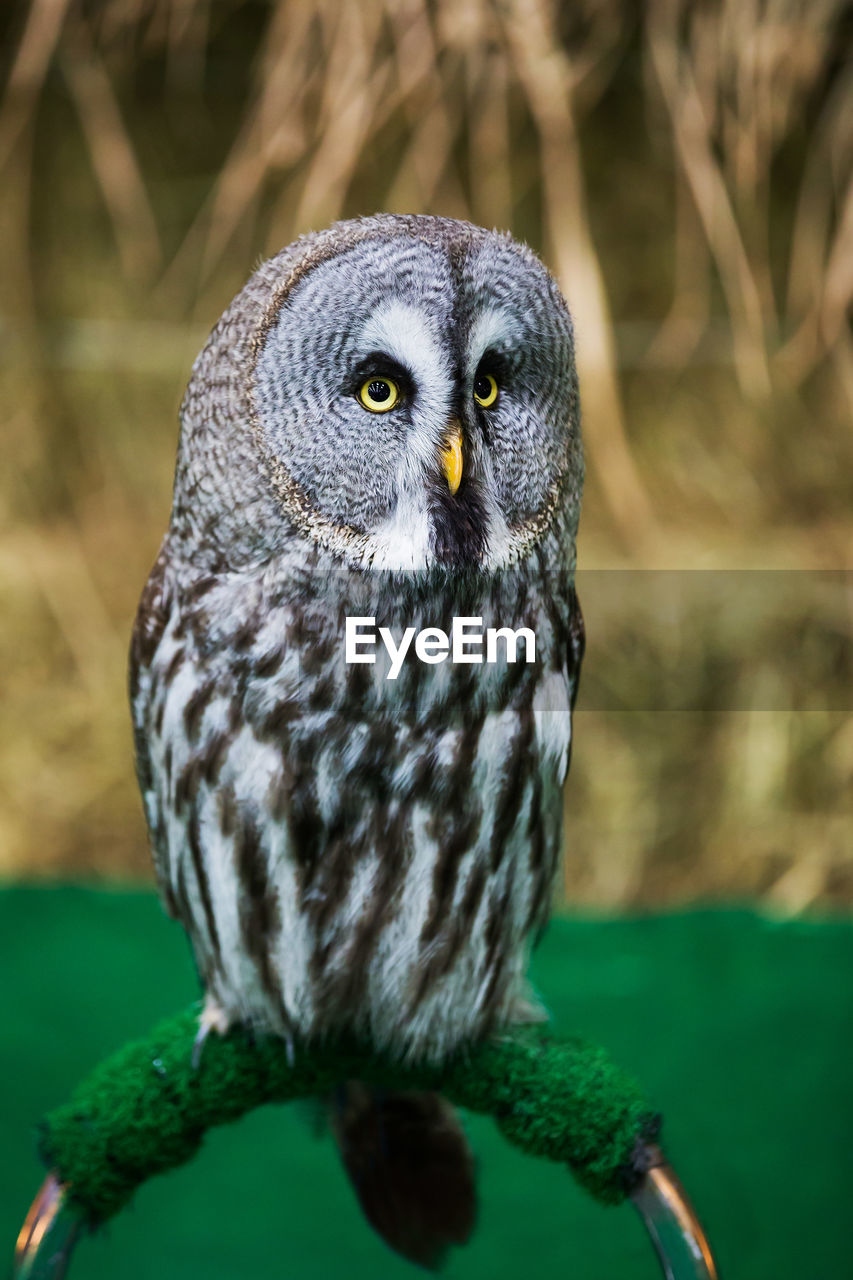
(412, 1169)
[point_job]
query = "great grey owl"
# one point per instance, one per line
(381, 432)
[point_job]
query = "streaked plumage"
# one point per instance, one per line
(349, 853)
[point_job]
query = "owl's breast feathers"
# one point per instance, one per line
(347, 851)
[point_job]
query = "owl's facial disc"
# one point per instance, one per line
(417, 397)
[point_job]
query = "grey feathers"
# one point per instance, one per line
(348, 852)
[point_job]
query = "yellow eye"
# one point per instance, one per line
(379, 395)
(485, 390)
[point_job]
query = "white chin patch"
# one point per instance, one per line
(402, 542)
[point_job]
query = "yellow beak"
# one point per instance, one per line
(451, 456)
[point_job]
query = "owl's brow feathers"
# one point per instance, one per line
(312, 523)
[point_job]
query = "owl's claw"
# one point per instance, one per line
(213, 1018)
(50, 1231)
(670, 1219)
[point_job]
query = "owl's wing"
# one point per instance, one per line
(152, 617)
(576, 645)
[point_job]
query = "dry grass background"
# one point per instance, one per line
(684, 168)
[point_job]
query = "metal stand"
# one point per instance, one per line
(672, 1224)
(51, 1229)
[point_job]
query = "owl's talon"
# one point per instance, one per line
(213, 1018)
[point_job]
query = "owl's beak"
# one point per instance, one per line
(451, 455)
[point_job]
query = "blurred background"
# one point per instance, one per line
(685, 169)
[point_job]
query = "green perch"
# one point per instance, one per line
(146, 1109)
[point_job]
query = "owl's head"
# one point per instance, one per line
(400, 391)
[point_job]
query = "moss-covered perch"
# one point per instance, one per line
(146, 1109)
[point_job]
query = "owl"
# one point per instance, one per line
(383, 427)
